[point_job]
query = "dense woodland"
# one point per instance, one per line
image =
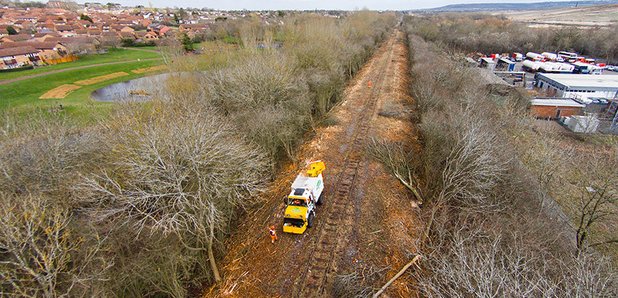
(473, 33)
(139, 203)
(491, 230)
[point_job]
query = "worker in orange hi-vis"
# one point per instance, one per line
(369, 84)
(273, 234)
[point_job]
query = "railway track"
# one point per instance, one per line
(293, 285)
(337, 222)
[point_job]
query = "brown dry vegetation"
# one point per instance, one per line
(139, 204)
(60, 91)
(150, 69)
(102, 78)
(496, 34)
(563, 163)
(491, 227)
(583, 16)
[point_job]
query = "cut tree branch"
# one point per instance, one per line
(414, 261)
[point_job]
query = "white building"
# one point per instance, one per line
(578, 86)
(584, 124)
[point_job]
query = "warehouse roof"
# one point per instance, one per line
(557, 102)
(582, 81)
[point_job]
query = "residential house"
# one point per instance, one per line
(45, 36)
(47, 50)
(78, 44)
(127, 29)
(193, 29)
(42, 36)
(139, 35)
(126, 35)
(109, 39)
(115, 27)
(94, 32)
(84, 24)
(3, 31)
(59, 22)
(65, 30)
(16, 38)
(19, 56)
(145, 22)
(164, 30)
(150, 36)
(109, 34)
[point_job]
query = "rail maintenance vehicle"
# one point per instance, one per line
(307, 192)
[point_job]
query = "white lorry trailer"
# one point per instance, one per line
(535, 56)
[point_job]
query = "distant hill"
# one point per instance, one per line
(517, 6)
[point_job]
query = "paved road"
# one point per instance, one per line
(4, 82)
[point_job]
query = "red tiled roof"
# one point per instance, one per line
(164, 30)
(36, 45)
(64, 27)
(17, 51)
(18, 37)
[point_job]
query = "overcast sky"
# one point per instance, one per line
(302, 4)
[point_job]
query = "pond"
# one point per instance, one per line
(141, 89)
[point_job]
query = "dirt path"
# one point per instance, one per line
(4, 82)
(368, 222)
(140, 49)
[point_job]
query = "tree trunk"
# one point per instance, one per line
(211, 256)
(414, 260)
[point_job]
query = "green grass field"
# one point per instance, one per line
(113, 55)
(23, 96)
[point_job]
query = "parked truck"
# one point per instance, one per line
(535, 56)
(531, 66)
(550, 56)
(307, 192)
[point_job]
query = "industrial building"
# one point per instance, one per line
(579, 86)
(554, 108)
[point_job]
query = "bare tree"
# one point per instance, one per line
(469, 261)
(598, 203)
(171, 51)
(42, 256)
(43, 153)
(266, 100)
(184, 177)
(506, 250)
(399, 163)
(473, 166)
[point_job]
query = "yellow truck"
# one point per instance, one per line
(306, 193)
